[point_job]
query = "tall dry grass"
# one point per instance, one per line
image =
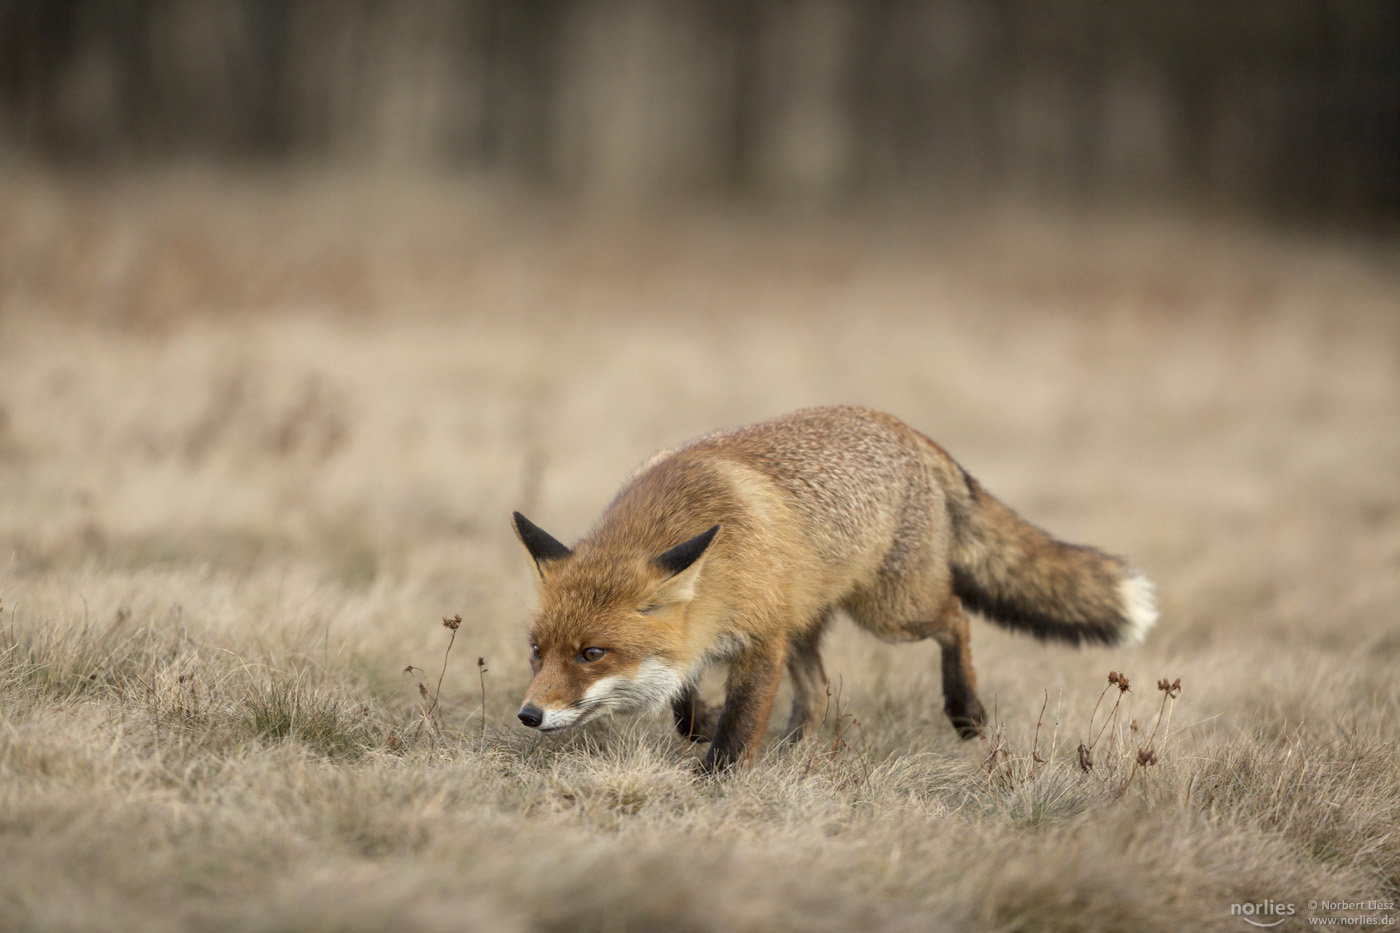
(258, 436)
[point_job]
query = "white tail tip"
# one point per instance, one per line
(1139, 605)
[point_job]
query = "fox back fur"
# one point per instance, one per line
(739, 547)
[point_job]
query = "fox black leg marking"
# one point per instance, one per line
(748, 701)
(959, 682)
(695, 719)
(960, 700)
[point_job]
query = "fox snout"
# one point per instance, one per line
(551, 719)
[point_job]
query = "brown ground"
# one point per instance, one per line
(257, 435)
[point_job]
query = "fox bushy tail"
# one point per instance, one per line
(1020, 577)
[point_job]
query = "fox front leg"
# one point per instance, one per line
(748, 700)
(695, 719)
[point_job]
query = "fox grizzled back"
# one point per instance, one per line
(843, 469)
(738, 549)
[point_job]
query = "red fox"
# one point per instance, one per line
(739, 547)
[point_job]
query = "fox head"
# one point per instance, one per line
(610, 632)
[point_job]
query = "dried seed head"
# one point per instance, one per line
(453, 622)
(1172, 689)
(1146, 756)
(1118, 680)
(1086, 759)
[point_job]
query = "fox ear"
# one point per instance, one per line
(542, 547)
(683, 555)
(682, 563)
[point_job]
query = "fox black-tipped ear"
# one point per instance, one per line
(683, 555)
(541, 545)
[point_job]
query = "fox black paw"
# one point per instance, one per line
(968, 730)
(696, 720)
(968, 722)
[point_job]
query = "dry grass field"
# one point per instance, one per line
(258, 435)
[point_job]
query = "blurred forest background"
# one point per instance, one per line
(1285, 107)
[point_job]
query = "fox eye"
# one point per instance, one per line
(592, 654)
(535, 652)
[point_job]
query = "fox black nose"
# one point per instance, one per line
(531, 716)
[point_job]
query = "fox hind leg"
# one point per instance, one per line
(901, 612)
(959, 681)
(809, 683)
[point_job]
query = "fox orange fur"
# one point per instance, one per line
(739, 547)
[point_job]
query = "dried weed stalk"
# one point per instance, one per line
(841, 746)
(1006, 770)
(1147, 753)
(481, 673)
(430, 716)
(1086, 752)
